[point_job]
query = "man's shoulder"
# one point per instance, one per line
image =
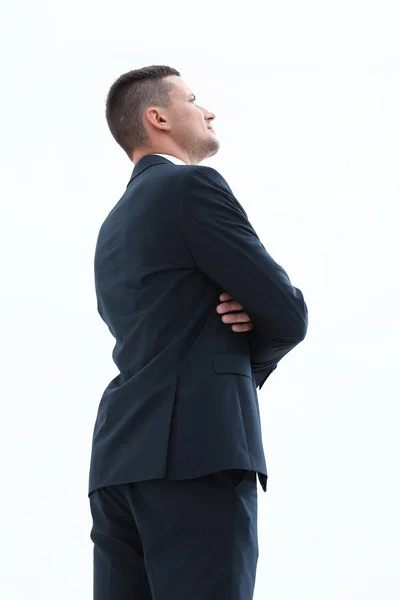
(205, 189)
(205, 175)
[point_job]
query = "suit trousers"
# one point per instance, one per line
(191, 539)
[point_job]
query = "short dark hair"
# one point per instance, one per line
(128, 97)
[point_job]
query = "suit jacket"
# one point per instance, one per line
(184, 403)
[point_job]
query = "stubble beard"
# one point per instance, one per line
(203, 149)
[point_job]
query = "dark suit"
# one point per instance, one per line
(184, 405)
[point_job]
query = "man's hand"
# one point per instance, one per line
(228, 304)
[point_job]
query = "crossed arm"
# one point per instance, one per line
(225, 246)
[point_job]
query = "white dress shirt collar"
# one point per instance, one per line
(174, 159)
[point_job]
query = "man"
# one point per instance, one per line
(201, 315)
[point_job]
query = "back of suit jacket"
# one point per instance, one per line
(184, 403)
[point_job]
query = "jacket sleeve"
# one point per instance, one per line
(224, 245)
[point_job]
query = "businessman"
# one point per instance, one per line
(201, 315)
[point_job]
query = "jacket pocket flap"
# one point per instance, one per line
(225, 362)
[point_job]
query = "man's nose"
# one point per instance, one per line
(210, 116)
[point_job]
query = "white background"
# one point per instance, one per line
(306, 97)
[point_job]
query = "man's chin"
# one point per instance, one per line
(214, 147)
(209, 150)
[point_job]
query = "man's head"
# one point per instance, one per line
(152, 110)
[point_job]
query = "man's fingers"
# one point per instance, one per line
(244, 327)
(236, 318)
(241, 320)
(229, 306)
